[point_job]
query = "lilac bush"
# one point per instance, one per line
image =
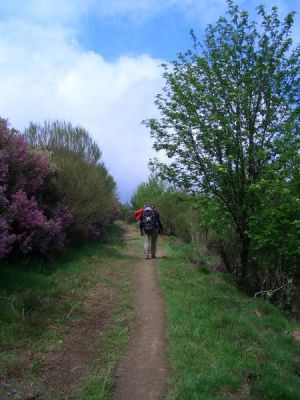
(6, 238)
(27, 223)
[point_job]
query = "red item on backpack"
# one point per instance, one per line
(138, 214)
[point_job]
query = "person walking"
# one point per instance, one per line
(150, 227)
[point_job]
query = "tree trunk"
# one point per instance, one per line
(243, 249)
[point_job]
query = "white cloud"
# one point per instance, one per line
(46, 11)
(48, 76)
(44, 74)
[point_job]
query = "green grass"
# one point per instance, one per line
(37, 293)
(222, 344)
(99, 384)
(39, 301)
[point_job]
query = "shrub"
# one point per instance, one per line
(81, 178)
(27, 223)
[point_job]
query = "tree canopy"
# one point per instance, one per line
(61, 136)
(229, 114)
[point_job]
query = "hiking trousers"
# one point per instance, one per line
(150, 242)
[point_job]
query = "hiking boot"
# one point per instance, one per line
(153, 256)
(147, 257)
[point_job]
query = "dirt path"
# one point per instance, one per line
(142, 373)
(65, 366)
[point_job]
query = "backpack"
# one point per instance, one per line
(149, 220)
(138, 214)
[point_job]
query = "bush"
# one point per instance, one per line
(274, 230)
(127, 213)
(81, 178)
(27, 224)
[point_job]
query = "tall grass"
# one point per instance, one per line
(223, 344)
(37, 293)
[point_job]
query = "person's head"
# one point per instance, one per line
(151, 206)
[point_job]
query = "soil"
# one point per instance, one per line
(142, 374)
(66, 365)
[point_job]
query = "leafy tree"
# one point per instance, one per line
(229, 113)
(148, 192)
(61, 136)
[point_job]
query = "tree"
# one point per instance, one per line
(228, 112)
(148, 192)
(61, 136)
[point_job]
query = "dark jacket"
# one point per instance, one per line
(157, 221)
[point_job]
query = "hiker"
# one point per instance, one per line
(150, 227)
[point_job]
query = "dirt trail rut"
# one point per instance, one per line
(142, 373)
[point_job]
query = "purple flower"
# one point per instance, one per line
(24, 223)
(6, 238)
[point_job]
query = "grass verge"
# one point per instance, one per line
(39, 302)
(222, 344)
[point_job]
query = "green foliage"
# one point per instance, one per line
(59, 136)
(275, 224)
(229, 121)
(175, 208)
(81, 179)
(127, 213)
(220, 234)
(148, 193)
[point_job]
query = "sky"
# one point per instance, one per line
(97, 64)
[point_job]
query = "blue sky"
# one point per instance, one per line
(161, 36)
(96, 63)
